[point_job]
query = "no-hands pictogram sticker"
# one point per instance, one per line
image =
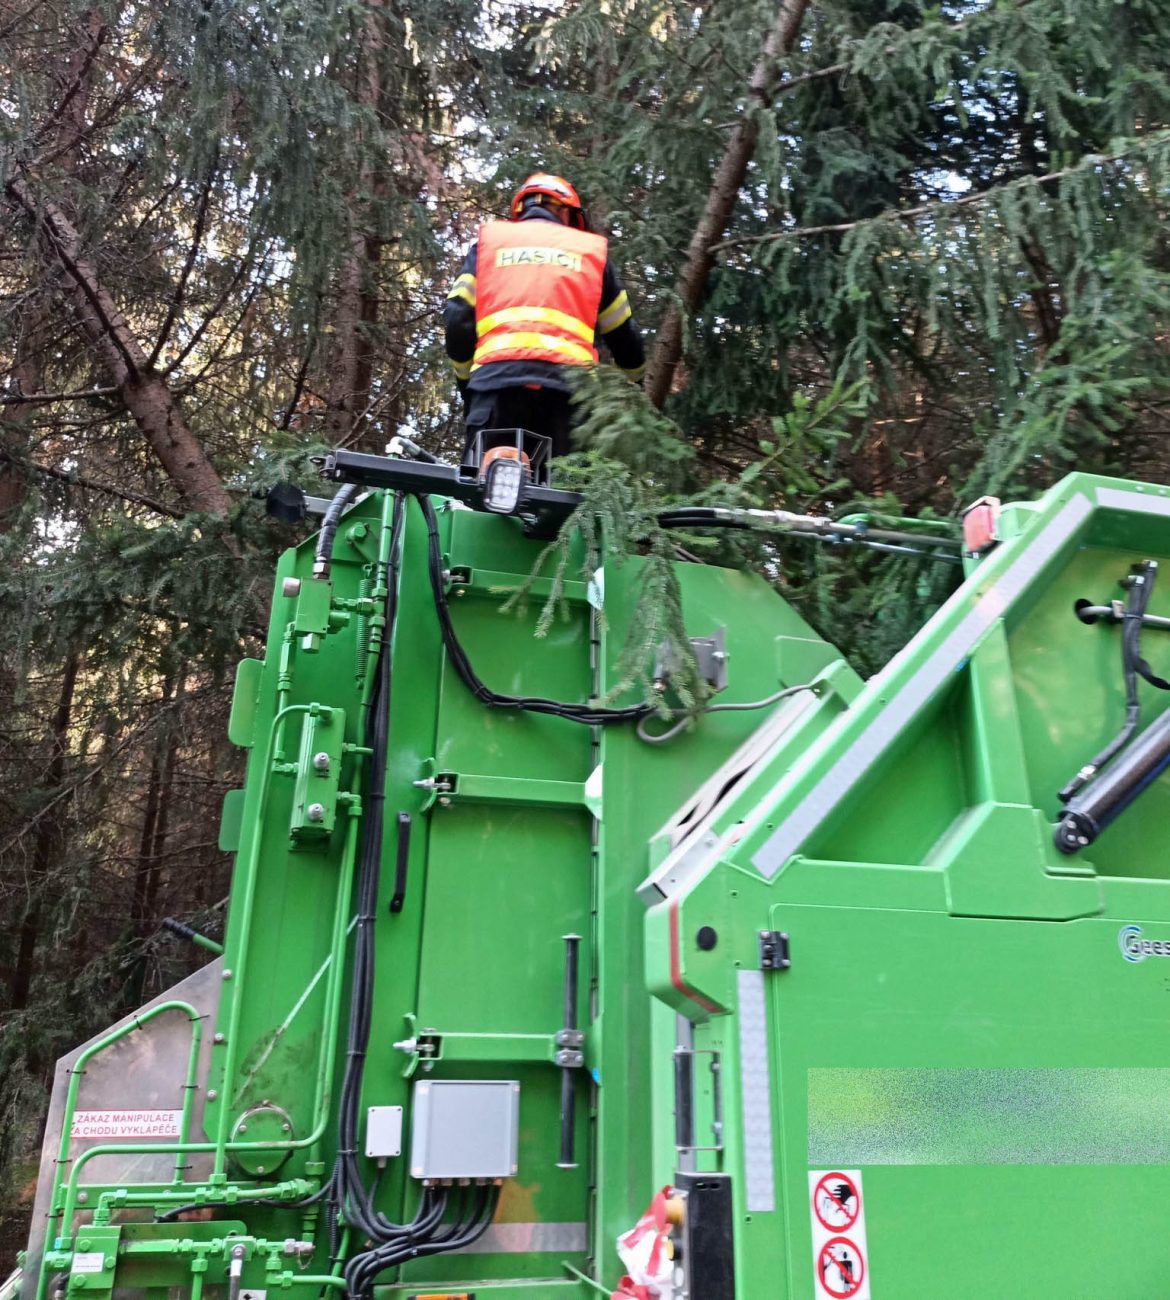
(841, 1268)
(836, 1202)
(840, 1251)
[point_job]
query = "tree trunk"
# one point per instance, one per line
(42, 856)
(354, 321)
(63, 131)
(154, 407)
(27, 371)
(721, 199)
(356, 315)
(152, 839)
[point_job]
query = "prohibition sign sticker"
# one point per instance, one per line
(836, 1201)
(840, 1251)
(841, 1267)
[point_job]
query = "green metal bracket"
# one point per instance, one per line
(231, 821)
(479, 788)
(435, 1045)
(318, 772)
(492, 582)
(94, 1261)
(245, 699)
(363, 540)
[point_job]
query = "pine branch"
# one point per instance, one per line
(37, 399)
(196, 338)
(178, 297)
(81, 480)
(942, 206)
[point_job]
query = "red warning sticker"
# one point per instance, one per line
(840, 1251)
(836, 1202)
(841, 1268)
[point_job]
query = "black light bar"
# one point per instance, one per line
(544, 508)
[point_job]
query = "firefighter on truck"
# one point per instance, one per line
(534, 296)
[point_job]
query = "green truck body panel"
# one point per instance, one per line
(970, 1034)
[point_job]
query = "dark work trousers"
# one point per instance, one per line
(539, 410)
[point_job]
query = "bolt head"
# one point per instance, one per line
(316, 812)
(321, 762)
(291, 587)
(212, 1094)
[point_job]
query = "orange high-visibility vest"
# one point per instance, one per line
(538, 293)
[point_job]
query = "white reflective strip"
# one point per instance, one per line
(755, 1074)
(859, 758)
(528, 1238)
(1139, 502)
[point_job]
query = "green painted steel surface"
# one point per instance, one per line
(965, 1024)
(959, 1024)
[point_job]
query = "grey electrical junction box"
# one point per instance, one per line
(464, 1128)
(383, 1132)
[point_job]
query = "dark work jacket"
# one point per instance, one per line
(615, 329)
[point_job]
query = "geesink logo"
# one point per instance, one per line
(1134, 948)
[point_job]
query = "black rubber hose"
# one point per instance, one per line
(1132, 663)
(360, 1279)
(584, 713)
(324, 557)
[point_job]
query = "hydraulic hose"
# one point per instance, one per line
(816, 526)
(1140, 587)
(588, 714)
(324, 556)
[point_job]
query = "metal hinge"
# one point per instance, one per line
(774, 953)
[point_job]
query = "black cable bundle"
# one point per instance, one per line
(474, 1213)
(347, 1196)
(588, 714)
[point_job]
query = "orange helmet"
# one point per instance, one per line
(543, 185)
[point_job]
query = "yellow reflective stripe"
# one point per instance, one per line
(536, 316)
(530, 341)
(634, 375)
(617, 313)
(462, 369)
(464, 288)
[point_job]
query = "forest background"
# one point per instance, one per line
(887, 255)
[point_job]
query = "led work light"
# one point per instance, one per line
(504, 474)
